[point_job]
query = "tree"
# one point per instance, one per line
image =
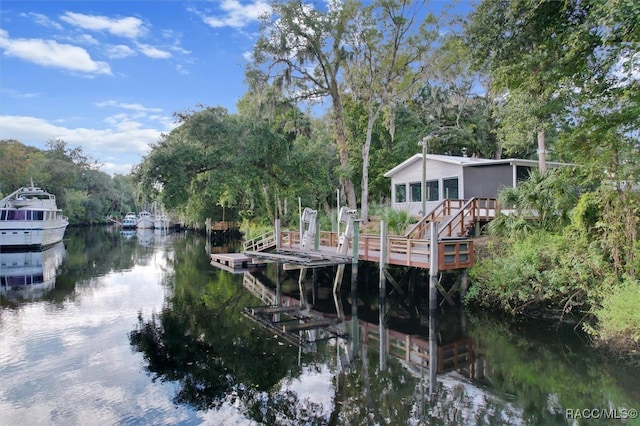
(526, 47)
(385, 67)
(574, 64)
(17, 165)
(302, 52)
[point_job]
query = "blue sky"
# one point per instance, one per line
(107, 76)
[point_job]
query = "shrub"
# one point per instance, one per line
(619, 318)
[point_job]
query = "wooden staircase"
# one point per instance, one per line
(456, 218)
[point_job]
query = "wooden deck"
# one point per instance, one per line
(456, 221)
(452, 254)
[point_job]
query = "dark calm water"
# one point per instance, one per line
(125, 329)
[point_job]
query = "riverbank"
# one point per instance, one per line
(547, 276)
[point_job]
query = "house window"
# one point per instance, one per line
(401, 193)
(432, 190)
(416, 191)
(450, 187)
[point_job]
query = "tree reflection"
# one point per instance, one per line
(201, 342)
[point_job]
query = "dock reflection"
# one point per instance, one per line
(427, 350)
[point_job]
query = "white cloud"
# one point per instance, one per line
(20, 95)
(50, 53)
(118, 147)
(119, 51)
(129, 27)
(153, 52)
(85, 39)
(43, 20)
(235, 14)
(134, 107)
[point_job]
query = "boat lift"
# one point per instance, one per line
(348, 217)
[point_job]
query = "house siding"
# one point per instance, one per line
(436, 170)
(486, 181)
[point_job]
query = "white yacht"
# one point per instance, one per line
(29, 217)
(161, 222)
(145, 220)
(130, 220)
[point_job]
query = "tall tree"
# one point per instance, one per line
(303, 51)
(389, 49)
(525, 46)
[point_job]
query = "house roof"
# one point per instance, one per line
(467, 162)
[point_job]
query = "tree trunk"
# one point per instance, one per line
(341, 139)
(542, 153)
(364, 200)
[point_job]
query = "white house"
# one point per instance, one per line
(454, 178)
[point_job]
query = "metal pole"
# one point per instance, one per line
(424, 177)
(300, 223)
(338, 211)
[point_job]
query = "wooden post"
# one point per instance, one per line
(383, 296)
(433, 268)
(278, 236)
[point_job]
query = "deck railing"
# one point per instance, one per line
(473, 211)
(400, 250)
(260, 243)
(437, 214)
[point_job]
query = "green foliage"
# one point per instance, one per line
(544, 201)
(75, 209)
(397, 220)
(553, 272)
(619, 317)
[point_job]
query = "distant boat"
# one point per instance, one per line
(130, 220)
(161, 222)
(29, 217)
(145, 221)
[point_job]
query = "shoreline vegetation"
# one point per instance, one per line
(577, 260)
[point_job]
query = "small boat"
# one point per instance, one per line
(130, 220)
(145, 221)
(29, 217)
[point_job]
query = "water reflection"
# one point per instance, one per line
(29, 275)
(444, 369)
(153, 334)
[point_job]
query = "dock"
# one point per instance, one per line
(236, 263)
